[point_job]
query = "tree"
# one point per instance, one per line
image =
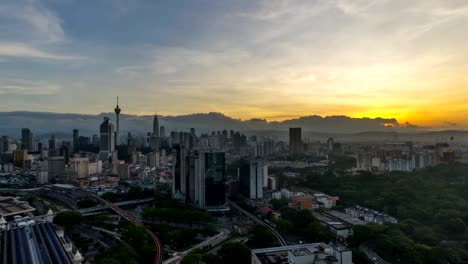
(279, 203)
(68, 219)
(261, 237)
(116, 254)
(134, 192)
(234, 253)
(303, 219)
(192, 258)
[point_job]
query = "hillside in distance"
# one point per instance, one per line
(62, 124)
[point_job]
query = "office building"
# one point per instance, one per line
(26, 139)
(53, 146)
(76, 143)
(19, 157)
(107, 140)
(155, 126)
(251, 178)
(56, 166)
(295, 140)
(66, 151)
(206, 180)
(80, 166)
(153, 159)
(162, 131)
(5, 144)
(179, 171)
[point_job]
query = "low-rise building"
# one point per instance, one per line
(302, 254)
(369, 215)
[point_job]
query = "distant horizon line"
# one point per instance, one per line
(201, 113)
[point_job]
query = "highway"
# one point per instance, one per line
(371, 254)
(99, 208)
(259, 221)
(157, 243)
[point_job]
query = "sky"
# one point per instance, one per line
(272, 59)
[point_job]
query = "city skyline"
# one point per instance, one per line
(369, 58)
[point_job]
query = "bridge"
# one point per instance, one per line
(157, 244)
(92, 210)
(260, 222)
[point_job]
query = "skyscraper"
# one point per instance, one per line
(117, 111)
(251, 178)
(179, 171)
(76, 136)
(107, 140)
(5, 143)
(206, 180)
(162, 131)
(295, 140)
(155, 126)
(26, 139)
(53, 146)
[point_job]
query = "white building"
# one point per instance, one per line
(80, 166)
(303, 254)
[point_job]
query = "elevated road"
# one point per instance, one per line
(157, 243)
(260, 222)
(103, 207)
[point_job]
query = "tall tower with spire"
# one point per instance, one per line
(117, 111)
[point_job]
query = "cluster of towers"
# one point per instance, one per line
(110, 134)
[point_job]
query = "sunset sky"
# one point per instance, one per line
(265, 59)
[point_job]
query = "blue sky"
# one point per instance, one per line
(267, 58)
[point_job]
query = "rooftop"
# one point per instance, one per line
(317, 253)
(10, 206)
(345, 218)
(34, 243)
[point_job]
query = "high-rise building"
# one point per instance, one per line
(53, 146)
(153, 159)
(19, 157)
(330, 143)
(162, 131)
(56, 166)
(80, 166)
(207, 178)
(26, 139)
(76, 142)
(295, 140)
(192, 131)
(155, 126)
(95, 141)
(179, 171)
(107, 140)
(251, 178)
(5, 144)
(66, 150)
(117, 111)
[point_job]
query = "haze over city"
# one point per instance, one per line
(272, 59)
(234, 132)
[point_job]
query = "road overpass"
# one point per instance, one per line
(260, 222)
(157, 243)
(103, 207)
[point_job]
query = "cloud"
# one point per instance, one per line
(28, 87)
(16, 49)
(42, 23)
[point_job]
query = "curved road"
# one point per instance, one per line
(367, 249)
(259, 221)
(124, 214)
